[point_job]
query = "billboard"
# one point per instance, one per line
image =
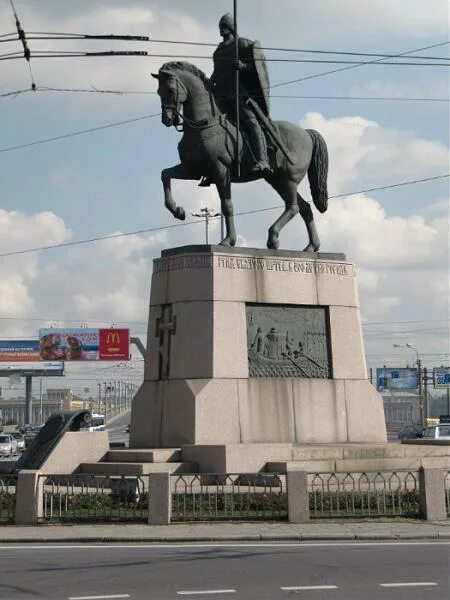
(389, 378)
(19, 350)
(441, 377)
(114, 344)
(84, 344)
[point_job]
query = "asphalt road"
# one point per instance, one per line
(247, 571)
(116, 428)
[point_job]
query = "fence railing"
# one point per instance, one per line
(447, 492)
(8, 486)
(94, 498)
(211, 497)
(369, 494)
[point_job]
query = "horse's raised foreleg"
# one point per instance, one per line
(288, 191)
(177, 172)
(307, 216)
(224, 189)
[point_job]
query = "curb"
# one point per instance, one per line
(397, 537)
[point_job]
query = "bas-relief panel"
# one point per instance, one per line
(287, 341)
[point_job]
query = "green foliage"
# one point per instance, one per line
(95, 506)
(349, 504)
(239, 506)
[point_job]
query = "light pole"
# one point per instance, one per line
(419, 370)
(207, 214)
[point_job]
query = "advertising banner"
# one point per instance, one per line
(19, 350)
(114, 344)
(441, 377)
(389, 378)
(84, 344)
(69, 344)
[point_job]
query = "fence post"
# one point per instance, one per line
(432, 494)
(159, 499)
(297, 492)
(29, 497)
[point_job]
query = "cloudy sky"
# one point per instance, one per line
(108, 181)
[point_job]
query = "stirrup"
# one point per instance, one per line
(205, 182)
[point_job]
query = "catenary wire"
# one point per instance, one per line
(83, 131)
(76, 36)
(324, 73)
(95, 90)
(73, 54)
(176, 225)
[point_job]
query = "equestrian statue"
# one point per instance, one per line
(214, 150)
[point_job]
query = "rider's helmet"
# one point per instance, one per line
(227, 22)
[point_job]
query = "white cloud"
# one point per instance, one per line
(362, 150)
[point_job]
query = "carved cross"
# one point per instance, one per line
(165, 327)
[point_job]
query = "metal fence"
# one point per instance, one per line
(94, 498)
(215, 497)
(447, 492)
(8, 485)
(375, 494)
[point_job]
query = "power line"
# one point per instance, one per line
(77, 36)
(74, 54)
(95, 90)
(23, 39)
(314, 76)
(75, 133)
(187, 223)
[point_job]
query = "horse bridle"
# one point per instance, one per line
(175, 105)
(192, 124)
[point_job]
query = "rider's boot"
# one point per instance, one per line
(256, 140)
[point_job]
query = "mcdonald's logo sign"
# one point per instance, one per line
(114, 344)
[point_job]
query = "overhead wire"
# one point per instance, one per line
(74, 54)
(81, 132)
(324, 73)
(95, 90)
(188, 223)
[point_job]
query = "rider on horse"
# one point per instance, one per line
(254, 82)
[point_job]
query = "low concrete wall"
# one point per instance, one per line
(74, 448)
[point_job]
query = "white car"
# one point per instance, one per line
(19, 439)
(441, 431)
(8, 445)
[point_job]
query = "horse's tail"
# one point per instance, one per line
(318, 171)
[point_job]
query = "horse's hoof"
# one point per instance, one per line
(311, 248)
(179, 213)
(226, 242)
(273, 243)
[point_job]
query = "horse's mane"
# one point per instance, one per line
(184, 66)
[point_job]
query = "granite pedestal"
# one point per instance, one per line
(254, 348)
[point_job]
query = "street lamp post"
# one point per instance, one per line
(207, 214)
(424, 409)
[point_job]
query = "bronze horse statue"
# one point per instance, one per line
(208, 149)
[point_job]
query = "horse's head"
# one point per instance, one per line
(173, 94)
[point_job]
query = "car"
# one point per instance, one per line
(410, 432)
(20, 440)
(437, 432)
(8, 445)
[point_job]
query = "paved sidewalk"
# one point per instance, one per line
(201, 532)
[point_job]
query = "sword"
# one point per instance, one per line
(268, 125)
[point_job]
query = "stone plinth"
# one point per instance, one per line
(250, 346)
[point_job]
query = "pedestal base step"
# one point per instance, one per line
(143, 468)
(147, 455)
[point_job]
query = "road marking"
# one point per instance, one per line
(99, 597)
(309, 587)
(409, 584)
(261, 545)
(194, 592)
